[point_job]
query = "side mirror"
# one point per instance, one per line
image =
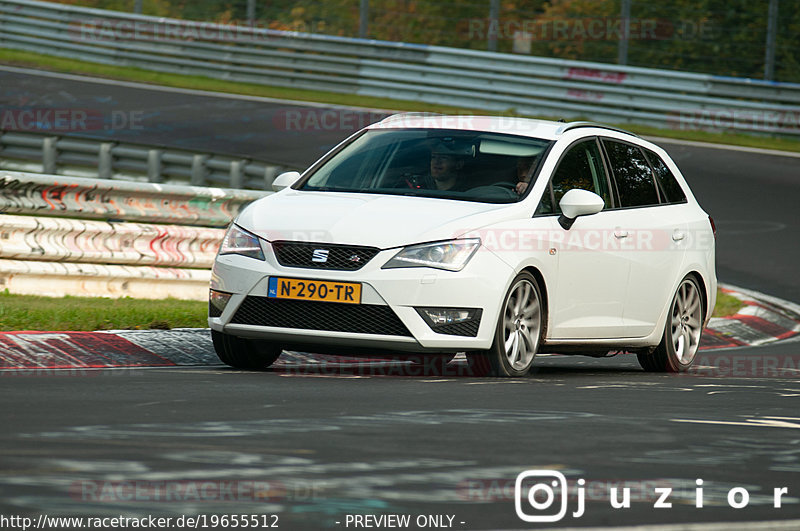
(576, 203)
(285, 180)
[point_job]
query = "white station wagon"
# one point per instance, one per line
(423, 236)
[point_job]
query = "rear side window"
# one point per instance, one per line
(633, 174)
(581, 167)
(671, 191)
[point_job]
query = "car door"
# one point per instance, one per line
(654, 229)
(587, 299)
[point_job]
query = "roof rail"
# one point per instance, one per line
(575, 125)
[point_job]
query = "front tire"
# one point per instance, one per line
(518, 334)
(244, 353)
(681, 339)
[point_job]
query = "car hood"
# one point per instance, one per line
(382, 221)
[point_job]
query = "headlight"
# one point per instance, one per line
(239, 241)
(452, 255)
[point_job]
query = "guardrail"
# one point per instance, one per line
(44, 250)
(469, 78)
(55, 195)
(86, 241)
(55, 279)
(52, 154)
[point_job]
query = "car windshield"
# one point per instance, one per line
(465, 165)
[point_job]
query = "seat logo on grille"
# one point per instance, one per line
(320, 255)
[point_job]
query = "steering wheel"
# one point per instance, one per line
(417, 181)
(499, 190)
(505, 185)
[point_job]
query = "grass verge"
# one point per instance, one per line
(59, 64)
(28, 312)
(727, 305)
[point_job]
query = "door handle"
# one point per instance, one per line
(619, 233)
(678, 235)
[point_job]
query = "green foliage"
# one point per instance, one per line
(724, 37)
(27, 312)
(727, 305)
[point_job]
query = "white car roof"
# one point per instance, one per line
(530, 127)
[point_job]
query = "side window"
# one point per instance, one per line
(671, 191)
(581, 167)
(633, 174)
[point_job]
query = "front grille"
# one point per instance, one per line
(311, 315)
(338, 257)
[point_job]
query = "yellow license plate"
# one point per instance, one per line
(314, 290)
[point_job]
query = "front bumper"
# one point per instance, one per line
(481, 285)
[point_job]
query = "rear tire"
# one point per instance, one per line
(678, 347)
(518, 334)
(244, 353)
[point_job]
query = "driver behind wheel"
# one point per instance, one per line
(447, 162)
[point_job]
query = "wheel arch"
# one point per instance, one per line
(545, 297)
(704, 294)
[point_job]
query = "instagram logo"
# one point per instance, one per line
(535, 493)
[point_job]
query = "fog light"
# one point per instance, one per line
(217, 300)
(452, 321)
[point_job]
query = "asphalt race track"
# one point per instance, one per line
(313, 447)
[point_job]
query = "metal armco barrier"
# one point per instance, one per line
(74, 240)
(55, 279)
(119, 250)
(53, 154)
(469, 78)
(55, 195)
